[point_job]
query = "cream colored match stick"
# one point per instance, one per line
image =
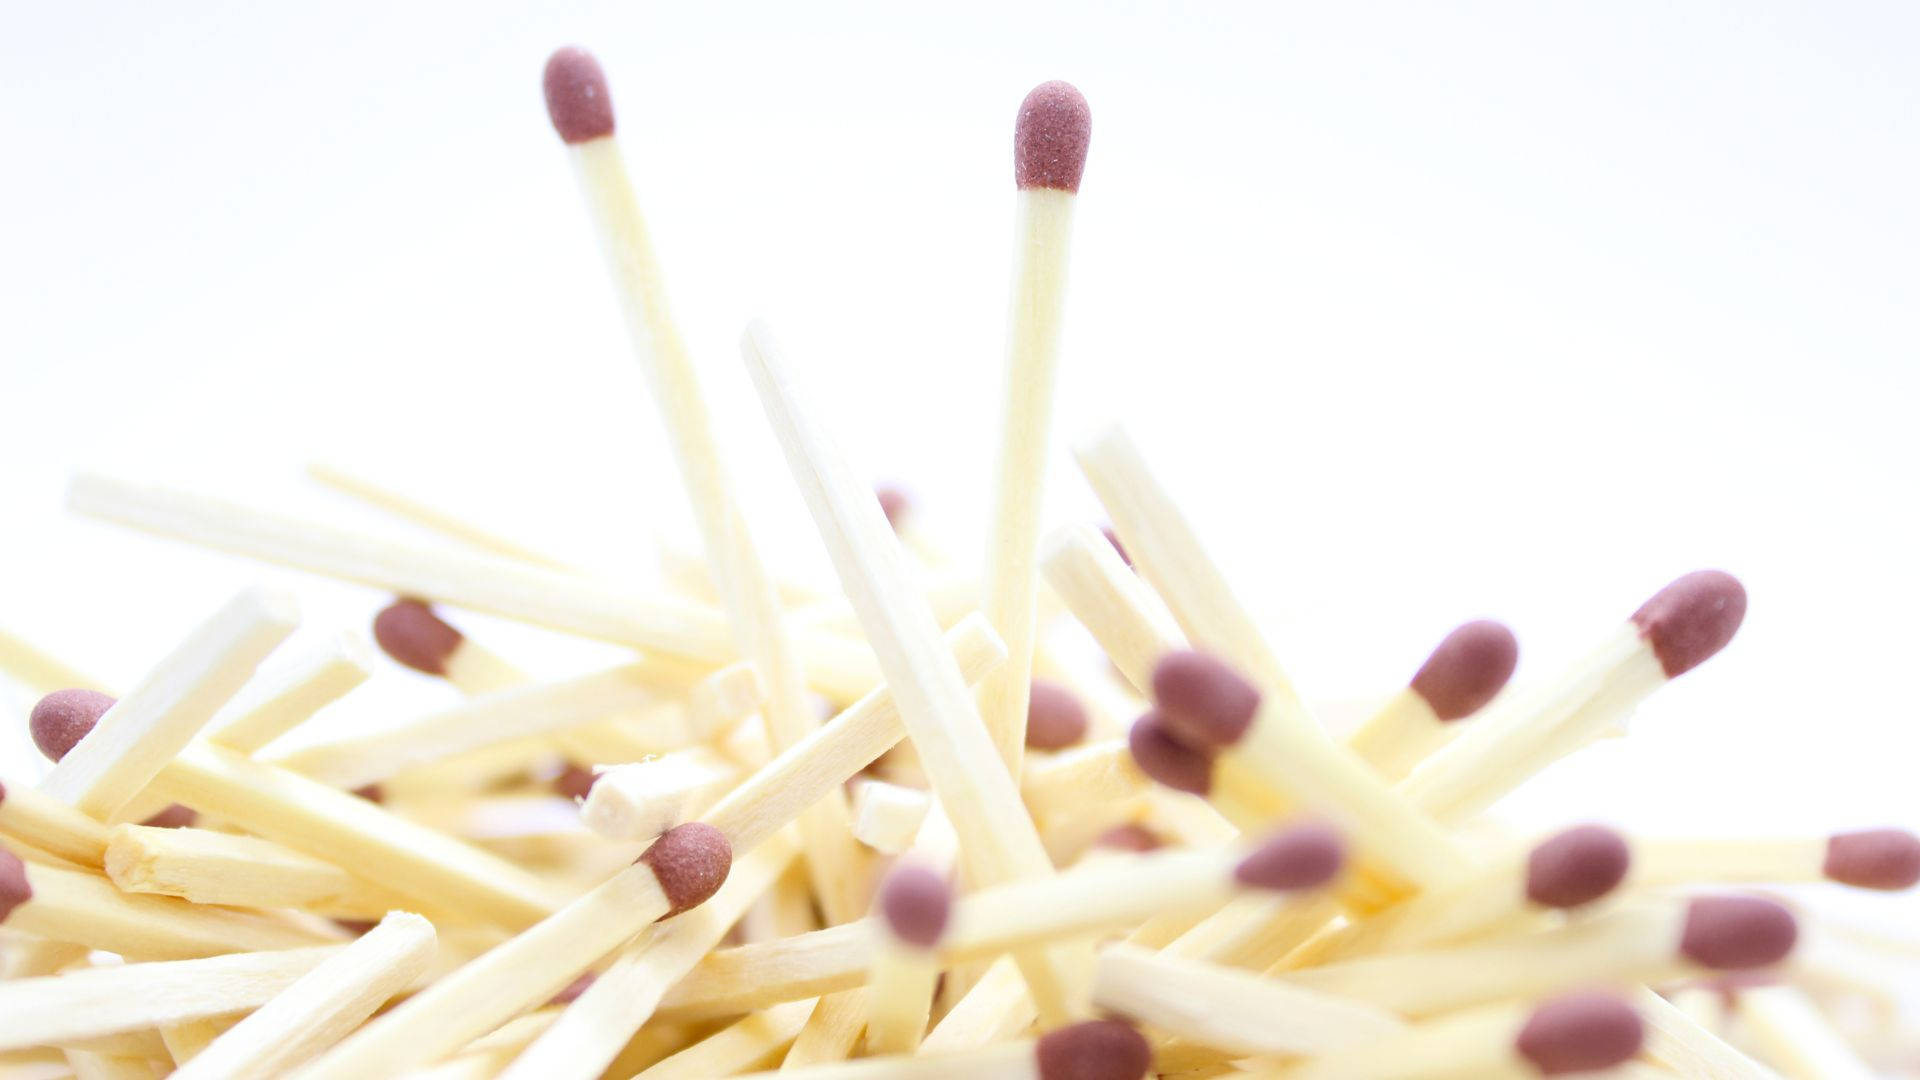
(1234, 1010)
(832, 1030)
(1050, 149)
(639, 801)
(1468, 668)
(413, 634)
(680, 871)
(590, 1033)
(136, 737)
(735, 1048)
(1681, 1044)
(886, 817)
(567, 602)
(1106, 1049)
(315, 681)
(70, 905)
(914, 905)
(1880, 859)
(91, 1066)
(40, 671)
(322, 1006)
(1124, 616)
(686, 570)
(573, 82)
(1069, 782)
(998, 841)
(237, 871)
(101, 1001)
(46, 823)
(1577, 1033)
(1790, 1031)
(997, 1008)
(434, 519)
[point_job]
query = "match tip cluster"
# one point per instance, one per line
(1689, 621)
(915, 902)
(1204, 702)
(1469, 667)
(1579, 1033)
(1874, 859)
(691, 862)
(1132, 837)
(1093, 1050)
(14, 888)
(1055, 717)
(61, 719)
(1577, 866)
(1050, 138)
(1304, 856)
(413, 635)
(1731, 933)
(577, 98)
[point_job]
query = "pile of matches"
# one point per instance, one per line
(985, 861)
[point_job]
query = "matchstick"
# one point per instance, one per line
(415, 636)
(1096, 774)
(1465, 671)
(1790, 1031)
(998, 1007)
(998, 841)
(1089, 1050)
(886, 817)
(1886, 860)
(434, 519)
(1678, 1042)
(914, 905)
(1055, 718)
(130, 743)
(321, 1006)
(641, 800)
(570, 603)
(1109, 599)
(736, 1048)
(38, 670)
(219, 868)
(1049, 154)
(317, 680)
(46, 823)
(77, 907)
(1575, 1033)
(678, 872)
(581, 109)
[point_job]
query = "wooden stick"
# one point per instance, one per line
(644, 799)
(1791, 1032)
(434, 519)
(565, 602)
(152, 722)
(1097, 774)
(414, 635)
(997, 1008)
(1576, 1033)
(40, 671)
(1679, 1042)
(1468, 668)
(998, 841)
(102, 1001)
(831, 1031)
(322, 1006)
(1881, 859)
(1124, 616)
(1092, 1048)
(219, 868)
(91, 1066)
(914, 904)
(44, 822)
(736, 1048)
(316, 681)
(886, 816)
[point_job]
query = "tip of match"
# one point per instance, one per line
(1468, 668)
(61, 719)
(1733, 933)
(1577, 866)
(915, 902)
(1166, 760)
(1579, 1033)
(577, 99)
(410, 633)
(1887, 859)
(1131, 837)
(1050, 138)
(1055, 718)
(14, 887)
(691, 862)
(1302, 857)
(1093, 1050)
(1203, 701)
(1692, 619)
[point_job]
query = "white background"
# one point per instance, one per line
(1426, 311)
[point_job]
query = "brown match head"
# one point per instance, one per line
(1050, 138)
(1471, 665)
(573, 989)
(174, 816)
(575, 782)
(1886, 859)
(691, 862)
(1135, 838)
(1203, 701)
(373, 792)
(577, 98)
(1304, 856)
(915, 902)
(14, 887)
(1119, 548)
(61, 719)
(1577, 866)
(895, 503)
(1730, 933)
(1093, 1050)
(1055, 718)
(1579, 1033)
(409, 632)
(1168, 760)
(1693, 618)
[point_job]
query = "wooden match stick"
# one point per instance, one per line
(1678, 1042)
(1881, 859)
(886, 817)
(46, 823)
(317, 680)
(322, 1006)
(123, 750)
(1791, 1032)
(641, 800)
(914, 904)
(1101, 773)
(736, 1048)
(998, 841)
(1109, 599)
(1468, 668)
(1575, 1033)
(73, 906)
(680, 871)
(38, 670)
(434, 519)
(219, 868)
(581, 109)
(1089, 1050)
(997, 1008)
(1049, 154)
(414, 635)
(570, 603)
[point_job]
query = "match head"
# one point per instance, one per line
(1691, 619)
(174, 816)
(1093, 1050)
(691, 862)
(1886, 859)
(1119, 548)
(1050, 138)
(409, 632)
(1203, 702)
(1576, 866)
(14, 887)
(575, 782)
(1470, 666)
(61, 719)
(1580, 1032)
(1730, 933)
(916, 902)
(577, 98)
(1302, 857)
(895, 503)
(1168, 760)
(573, 989)
(1055, 718)
(1135, 838)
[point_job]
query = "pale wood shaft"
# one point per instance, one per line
(315, 681)
(208, 867)
(997, 1008)
(1002, 1061)
(40, 671)
(1109, 599)
(44, 822)
(1400, 735)
(74, 906)
(1095, 775)
(1678, 1042)
(1790, 1031)
(832, 1030)
(639, 801)
(735, 1048)
(434, 519)
(887, 816)
(899, 997)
